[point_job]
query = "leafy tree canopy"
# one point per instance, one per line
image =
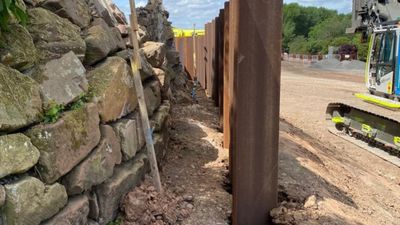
(311, 30)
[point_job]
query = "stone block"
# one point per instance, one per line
(111, 85)
(62, 81)
(94, 210)
(101, 41)
(158, 120)
(152, 95)
(74, 213)
(66, 143)
(17, 154)
(98, 166)
(18, 50)
(29, 201)
(20, 102)
(101, 9)
(54, 36)
(155, 53)
(2, 196)
(131, 135)
(111, 192)
(76, 11)
(147, 70)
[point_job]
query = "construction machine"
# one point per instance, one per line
(372, 120)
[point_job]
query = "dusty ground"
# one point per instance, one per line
(197, 163)
(193, 173)
(340, 182)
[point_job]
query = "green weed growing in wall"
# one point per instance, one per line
(53, 112)
(10, 9)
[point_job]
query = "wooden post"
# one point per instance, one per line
(257, 67)
(136, 65)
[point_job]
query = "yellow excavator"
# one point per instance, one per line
(372, 120)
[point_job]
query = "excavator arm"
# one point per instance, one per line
(367, 13)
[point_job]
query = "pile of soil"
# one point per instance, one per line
(336, 65)
(145, 206)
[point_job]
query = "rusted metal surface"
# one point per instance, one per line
(256, 109)
(213, 80)
(209, 59)
(220, 49)
(238, 64)
(189, 57)
(226, 102)
(201, 62)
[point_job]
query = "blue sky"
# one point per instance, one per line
(184, 13)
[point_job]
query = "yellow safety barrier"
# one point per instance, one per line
(187, 32)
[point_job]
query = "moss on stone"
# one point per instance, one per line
(76, 120)
(18, 50)
(17, 154)
(20, 102)
(30, 202)
(53, 35)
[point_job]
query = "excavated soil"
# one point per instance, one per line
(193, 173)
(324, 179)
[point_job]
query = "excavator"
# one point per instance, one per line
(371, 120)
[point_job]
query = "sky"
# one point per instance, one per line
(185, 13)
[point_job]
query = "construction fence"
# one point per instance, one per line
(307, 59)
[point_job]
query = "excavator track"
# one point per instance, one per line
(372, 128)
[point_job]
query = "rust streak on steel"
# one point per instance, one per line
(231, 70)
(203, 62)
(221, 65)
(257, 40)
(189, 57)
(208, 59)
(213, 63)
(226, 102)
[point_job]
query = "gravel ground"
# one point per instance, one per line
(353, 66)
(324, 179)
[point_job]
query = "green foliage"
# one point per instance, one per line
(332, 27)
(53, 112)
(11, 9)
(116, 222)
(83, 98)
(311, 30)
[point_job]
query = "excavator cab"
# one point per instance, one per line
(382, 56)
(382, 74)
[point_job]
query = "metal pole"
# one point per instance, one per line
(257, 68)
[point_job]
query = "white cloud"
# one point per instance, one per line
(185, 13)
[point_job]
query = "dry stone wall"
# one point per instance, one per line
(71, 141)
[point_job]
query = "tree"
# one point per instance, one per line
(331, 28)
(311, 30)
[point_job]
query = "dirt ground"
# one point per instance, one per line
(196, 163)
(324, 179)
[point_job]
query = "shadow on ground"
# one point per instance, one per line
(196, 162)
